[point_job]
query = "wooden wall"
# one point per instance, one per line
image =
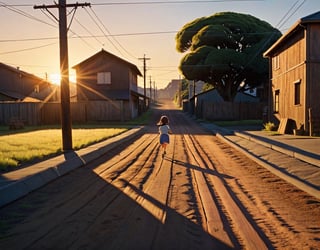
(49, 113)
(291, 69)
(298, 59)
(313, 77)
(229, 111)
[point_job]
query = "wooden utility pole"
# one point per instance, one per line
(144, 80)
(150, 89)
(64, 70)
(154, 91)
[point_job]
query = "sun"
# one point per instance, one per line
(55, 78)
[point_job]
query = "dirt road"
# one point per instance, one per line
(202, 195)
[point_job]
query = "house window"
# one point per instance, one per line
(297, 91)
(276, 62)
(276, 101)
(104, 78)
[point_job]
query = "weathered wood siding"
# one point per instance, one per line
(313, 77)
(87, 86)
(288, 68)
(26, 112)
(229, 111)
(49, 113)
(124, 77)
(295, 76)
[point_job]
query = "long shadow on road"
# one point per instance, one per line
(84, 211)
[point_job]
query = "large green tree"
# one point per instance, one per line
(225, 50)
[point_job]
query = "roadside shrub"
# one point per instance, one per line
(270, 126)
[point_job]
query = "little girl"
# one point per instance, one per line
(164, 131)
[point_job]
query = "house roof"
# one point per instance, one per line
(12, 95)
(104, 52)
(313, 18)
(21, 72)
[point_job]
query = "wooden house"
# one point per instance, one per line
(294, 58)
(18, 85)
(105, 77)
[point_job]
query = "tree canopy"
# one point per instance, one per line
(225, 50)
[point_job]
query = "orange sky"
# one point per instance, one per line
(126, 28)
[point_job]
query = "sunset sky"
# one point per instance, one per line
(129, 29)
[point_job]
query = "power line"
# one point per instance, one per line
(268, 38)
(175, 2)
(282, 21)
(109, 34)
(27, 39)
(91, 36)
(105, 35)
(102, 31)
(148, 2)
(86, 29)
(54, 20)
(27, 49)
(25, 14)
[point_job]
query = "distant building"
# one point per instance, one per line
(106, 77)
(295, 76)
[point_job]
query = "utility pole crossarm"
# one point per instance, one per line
(43, 6)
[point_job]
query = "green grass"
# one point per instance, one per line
(20, 148)
(35, 143)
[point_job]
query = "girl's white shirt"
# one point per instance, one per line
(164, 129)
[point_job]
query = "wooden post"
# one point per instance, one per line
(144, 81)
(64, 82)
(64, 71)
(310, 122)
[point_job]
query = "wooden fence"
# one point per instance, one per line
(34, 114)
(227, 111)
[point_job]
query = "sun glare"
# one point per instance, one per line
(55, 78)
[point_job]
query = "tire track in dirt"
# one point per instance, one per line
(277, 207)
(184, 201)
(205, 175)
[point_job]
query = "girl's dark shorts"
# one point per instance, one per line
(164, 138)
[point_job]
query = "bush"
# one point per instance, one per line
(270, 126)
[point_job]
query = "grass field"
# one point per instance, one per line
(18, 147)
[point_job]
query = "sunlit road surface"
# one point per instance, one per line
(202, 194)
